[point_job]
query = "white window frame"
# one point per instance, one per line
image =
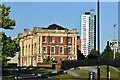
(68, 50)
(44, 38)
(61, 39)
(62, 50)
(51, 49)
(68, 39)
(52, 39)
(45, 50)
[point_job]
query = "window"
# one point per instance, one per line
(61, 49)
(60, 59)
(44, 38)
(52, 39)
(69, 49)
(69, 39)
(44, 49)
(52, 50)
(61, 39)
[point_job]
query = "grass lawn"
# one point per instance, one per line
(103, 72)
(118, 68)
(85, 73)
(65, 76)
(7, 75)
(82, 73)
(38, 71)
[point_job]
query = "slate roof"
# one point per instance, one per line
(55, 26)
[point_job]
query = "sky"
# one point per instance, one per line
(66, 14)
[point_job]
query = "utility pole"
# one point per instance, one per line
(108, 60)
(98, 43)
(114, 40)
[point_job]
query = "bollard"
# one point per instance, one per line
(91, 75)
(109, 75)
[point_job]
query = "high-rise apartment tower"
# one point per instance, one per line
(88, 32)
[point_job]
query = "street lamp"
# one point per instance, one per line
(114, 40)
(98, 66)
(108, 60)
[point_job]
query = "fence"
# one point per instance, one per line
(93, 62)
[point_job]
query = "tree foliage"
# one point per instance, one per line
(9, 47)
(80, 56)
(93, 54)
(104, 54)
(6, 22)
(117, 55)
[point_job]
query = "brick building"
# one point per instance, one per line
(79, 43)
(53, 41)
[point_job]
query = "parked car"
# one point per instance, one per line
(76, 68)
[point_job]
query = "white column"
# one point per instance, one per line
(30, 50)
(27, 53)
(21, 52)
(37, 47)
(24, 53)
(24, 48)
(41, 48)
(73, 45)
(76, 46)
(33, 46)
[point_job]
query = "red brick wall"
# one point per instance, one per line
(79, 43)
(49, 65)
(57, 43)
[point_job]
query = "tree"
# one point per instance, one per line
(6, 22)
(80, 56)
(104, 54)
(93, 54)
(8, 47)
(117, 55)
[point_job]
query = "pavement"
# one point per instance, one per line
(72, 73)
(86, 68)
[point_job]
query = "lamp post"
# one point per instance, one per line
(114, 40)
(108, 60)
(98, 66)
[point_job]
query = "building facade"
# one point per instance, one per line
(53, 41)
(88, 32)
(79, 44)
